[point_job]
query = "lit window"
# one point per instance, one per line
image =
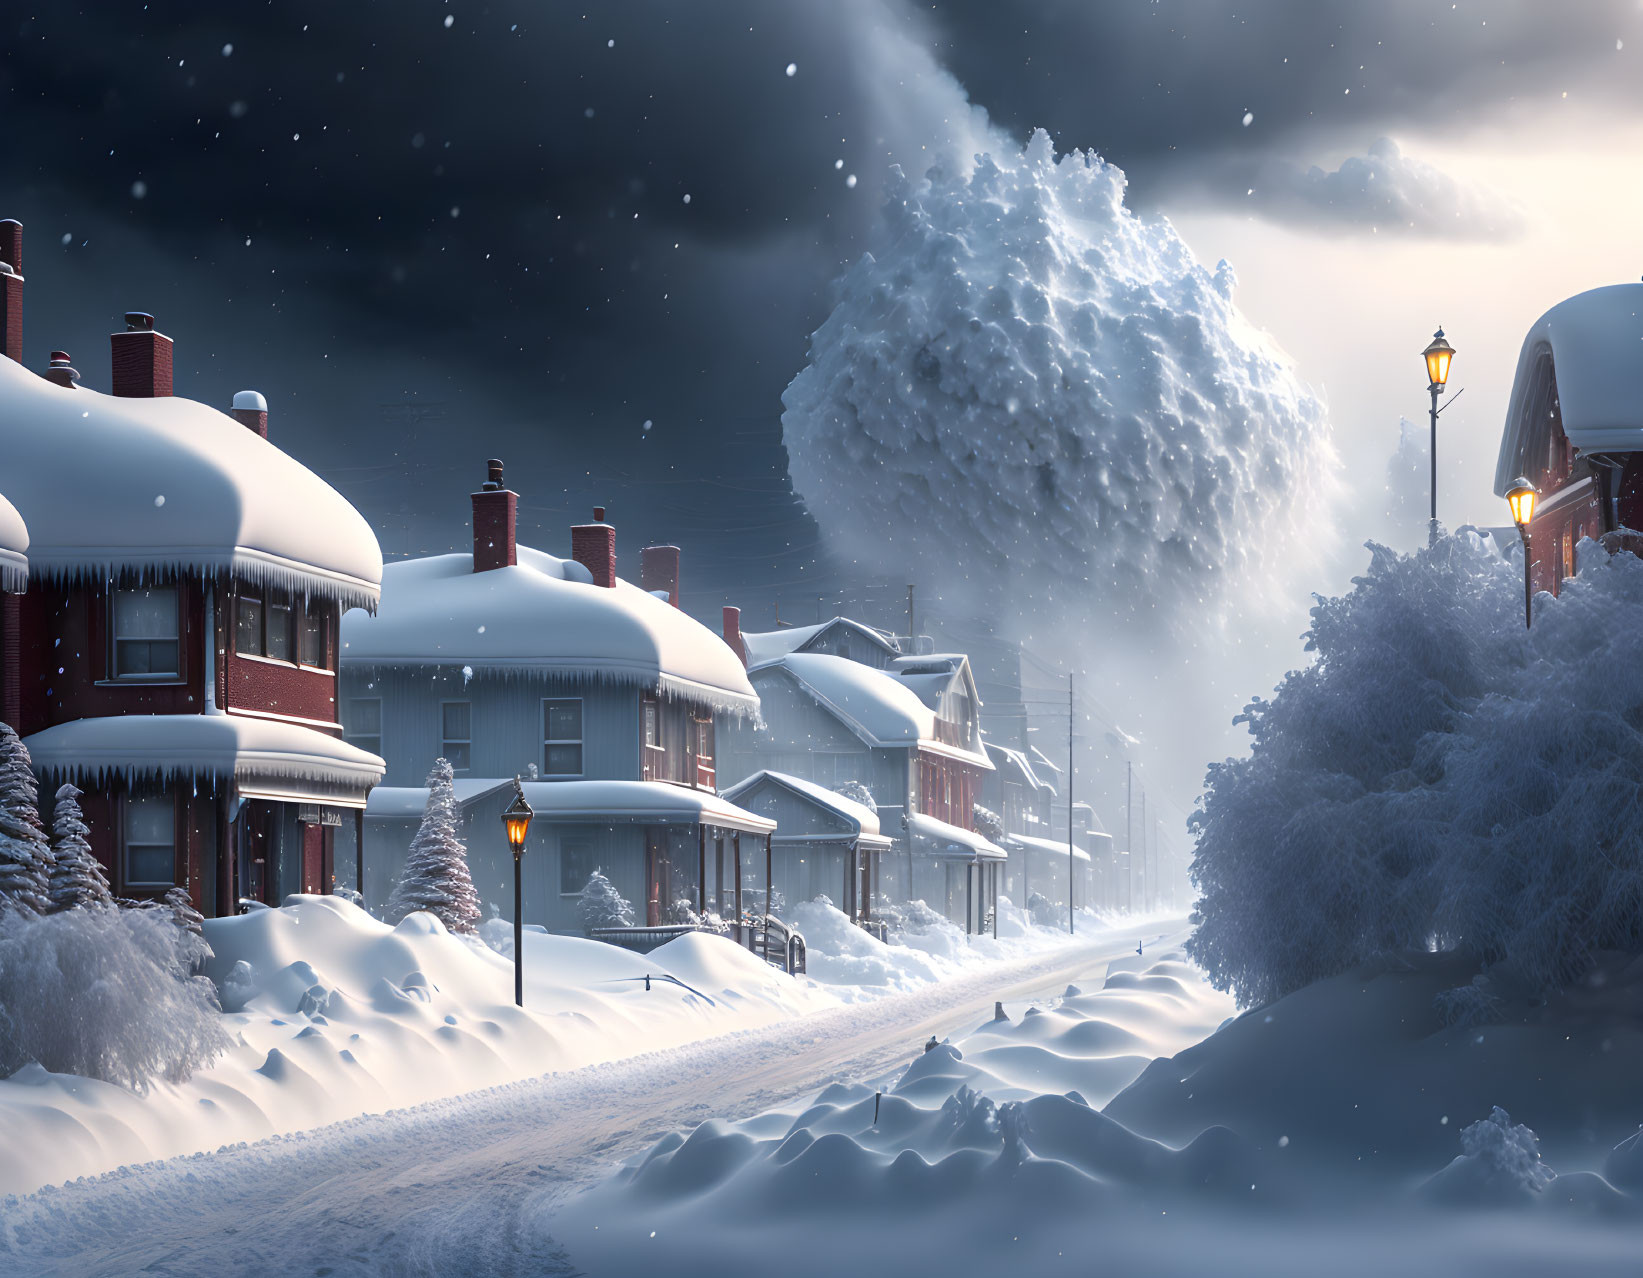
(150, 842)
(456, 733)
(145, 633)
(562, 738)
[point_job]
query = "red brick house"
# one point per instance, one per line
(1574, 426)
(175, 651)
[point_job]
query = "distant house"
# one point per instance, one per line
(907, 728)
(1574, 426)
(174, 653)
(510, 661)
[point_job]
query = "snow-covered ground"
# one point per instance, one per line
(336, 1014)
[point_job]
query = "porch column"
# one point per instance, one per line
(701, 869)
(852, 879)
(969, 899)
(359, 854)
(767, 883)
(736, 855)
(227, 862)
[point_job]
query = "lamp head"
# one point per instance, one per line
(1437, 356)
(516, 819)
(1521, 496)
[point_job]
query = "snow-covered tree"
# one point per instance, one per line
(25, 855)
(988, 823)
(1437, 774)
(601, 905)
(858, 793)
(77, 878)
(435, 877)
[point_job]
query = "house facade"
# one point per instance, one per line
(174, 653)
(1574, 427)
(606, 696)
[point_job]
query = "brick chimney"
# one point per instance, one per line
(11, 289)
(142, 359)
(61, 371)
(659, 571)
(594, 547)
(733, 632)
(251, 411)
(496, 522)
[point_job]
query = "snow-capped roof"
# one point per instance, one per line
(1004, 756)
(953, 840)
(767, 645)
(655, 802)
(864, 820)
(878, 706)
(1595, 340)
(107, 484)
(1045, 845)
(267, 759)
(411, 800)
(544, 616)
(14, 544)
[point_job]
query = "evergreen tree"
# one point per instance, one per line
(76, 877)
(435, 877)
(25, 856)
(601, 905)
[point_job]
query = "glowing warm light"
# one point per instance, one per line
(1522, 499)
(517, 819)
(1438, 355)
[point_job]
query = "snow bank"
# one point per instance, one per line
(1045, 402)
(335, 1014)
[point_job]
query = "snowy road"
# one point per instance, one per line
(464, 1186)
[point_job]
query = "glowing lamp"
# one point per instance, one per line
(1437, 356)
(517, 820)
(1522, 499)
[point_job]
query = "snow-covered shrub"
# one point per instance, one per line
(1499, 1165)
(106, 994)
(1437, 775)
(857, 792)
(1045, 912)
(435, 877)
(601, 905)
(25, 856)
(77, 878)
(988, 823)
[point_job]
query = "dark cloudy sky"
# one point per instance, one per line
(434, 232)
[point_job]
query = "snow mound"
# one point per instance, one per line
(1499, 1165)
(1024, 383)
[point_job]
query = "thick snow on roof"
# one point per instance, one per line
(169, 484)
(1595, 340)
(1046, 845)
(767, 645)
(1004, 756)
(953, 840)
(879, 707)
(544, 616)
(651, 801)
(14, 543)
(411, 800)
(864, 819)
(266, 758)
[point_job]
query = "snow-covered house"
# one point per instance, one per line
(907, 728)
(176, 646)
(1574, 425)
(827, 843)
(14, 579)
(510, 661)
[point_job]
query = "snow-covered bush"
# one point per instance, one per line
(77, 878)
(601, 905)
(988, 823)
(857, 792)
(25, 856)
(435, 877)
(1499, 1165)
(1438, 775)
(1045, 912)
(106, 994)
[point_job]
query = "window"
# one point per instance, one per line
(145, 633)
(562, 738)
(576, 865)
(362, 723)
(277, 627)
(264, 624)
(150, 845)
(456, 733)
(653, 725)
(316, 627)
(248, 625)
(702, 743)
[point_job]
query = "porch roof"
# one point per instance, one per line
(952, 840)
(864, 820)
(1031, 843)
(648, 802)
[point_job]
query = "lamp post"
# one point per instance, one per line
(517, 821)
(1522, 498)
(1437, 356)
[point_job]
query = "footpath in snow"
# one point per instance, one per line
(335, 1014)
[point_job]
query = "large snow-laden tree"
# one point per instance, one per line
(435, 877)
(601, 905)
(77, 878)
(25, 855)
(1438, 775)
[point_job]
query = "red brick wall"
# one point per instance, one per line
(495, 523)
(251, 683)
(11, 316)
(594, 547)
(142, 364)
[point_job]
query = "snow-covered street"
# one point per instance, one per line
(468, 1183)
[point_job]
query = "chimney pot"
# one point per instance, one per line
(11, 289)
(139, 322)
(598, 514)
(251, 411)
(60, 372)
(659, 571)
(594, 547)
(495, 522)
(142, 359)
(733, 632)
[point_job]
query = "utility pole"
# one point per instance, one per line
(1072, 926)
(1129, 834)
(1146, 879)
(912, 627)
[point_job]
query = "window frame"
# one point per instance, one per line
(169, 803)
(580, 844)
(579, 741)
(445, 742)
(115, 675)
(297, 610)
(354, 738)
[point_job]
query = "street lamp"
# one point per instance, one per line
(517, 821)
(1437, 356)
(1522, 498)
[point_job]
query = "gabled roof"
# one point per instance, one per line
(544, 616)
(1006, 759)
(587, 802)
(767, 645)
(1594, 343)
(874, 704)
(14, 544)
(864, 821)
(166, 484)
